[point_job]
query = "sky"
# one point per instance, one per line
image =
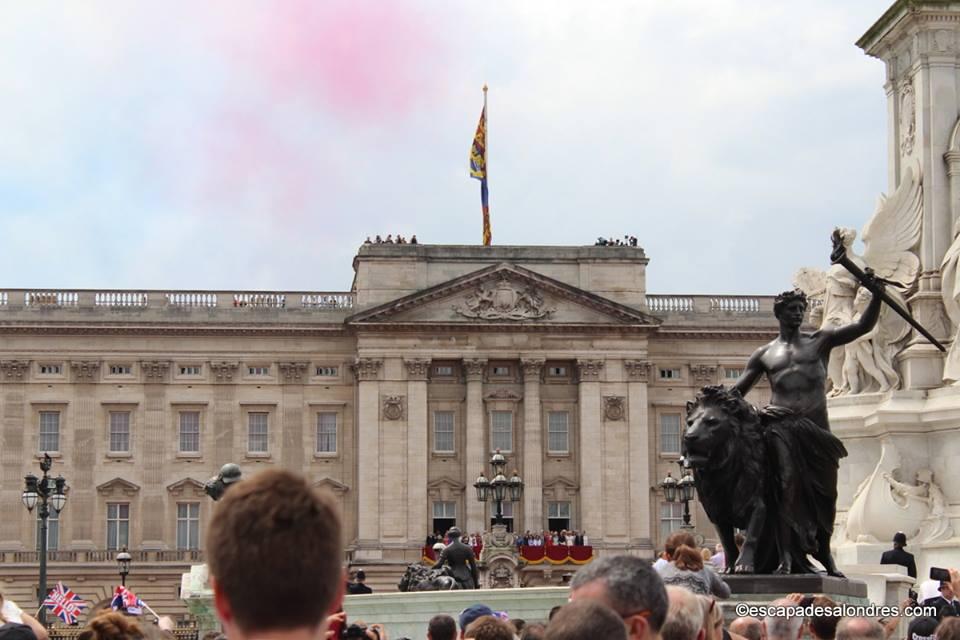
(249, 145)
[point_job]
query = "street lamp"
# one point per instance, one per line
(46, 492)
(681, 490)
(500, 488)
(123, 562)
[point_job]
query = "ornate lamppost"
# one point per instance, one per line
(500, 488)
(681, 490)
(49, 493)
(123, 563)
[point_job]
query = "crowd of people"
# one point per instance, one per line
(628, 241)
(274, 546)
(553, 538)
(390, 240)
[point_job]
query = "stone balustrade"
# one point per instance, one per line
(145, 299)
(660, 304)
(94, 556)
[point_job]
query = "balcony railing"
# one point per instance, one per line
(146, 299)
(188, 556)
(688, 304)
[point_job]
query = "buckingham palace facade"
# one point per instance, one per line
(392, 395)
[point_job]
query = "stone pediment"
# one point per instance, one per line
(331, 484)
(500, 295)
(118, 487)
(187, 486)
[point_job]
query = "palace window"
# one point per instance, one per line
(118, 525)
(188, 525)
(670, 433)
(119, 432)
(190, 370)
(732, 374)
(501, 430)
(326, 432)
(189, 432)
(556, 372)
(258, 371)
(558, 432)
(669, 374)
(671, 518)
(49, 431)
(120, 369)
(443, 370)
(558, 516)
(51, 369)
(328, 372)
(500, 371)
(443, 441)
(257, 432)
(444, 516)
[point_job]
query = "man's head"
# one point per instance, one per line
(946, 590)
(470, 614)
(789, 304)
(586, 620)
(859, 629)
(786, 627)
(684, 616)
(748, 627)
(488, 628)
(899, 539)
(361, 575)
(629, 586)
(922, 629)
(442, 627)
(274, 552)
(533, 631)
(824, 627)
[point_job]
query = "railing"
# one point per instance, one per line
(740, 305)
(58, 632)
(143, 299)
(188, 556)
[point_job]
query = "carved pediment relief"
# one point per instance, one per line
(445, 488)
(560, 488)
(188, 487)
(118, 487)
(503, 294)
(331, 484)
(504, 394)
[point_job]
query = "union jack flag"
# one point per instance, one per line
(64, 604)
(126, 600)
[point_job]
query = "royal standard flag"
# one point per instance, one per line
(478, 170)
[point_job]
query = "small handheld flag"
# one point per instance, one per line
(64, 604)
(478, 167)
(126, 600)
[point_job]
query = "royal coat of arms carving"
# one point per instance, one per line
(504, 301)
(393, 407)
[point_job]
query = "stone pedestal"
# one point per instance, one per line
(196, 593)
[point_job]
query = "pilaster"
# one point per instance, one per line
(292, 374)
(475, 440)
(153, 501)
(638, 377)
(418, 447)
(16, 452)
(591, 448)
(367, 372)
(533, 519)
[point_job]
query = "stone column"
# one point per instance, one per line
(81, 421)
(591, 449)
(153, 501)
(16, 453)
(638, 376)
(532, 446)
(418, 447)
(293, 375)
(367, 372)
(476, 442)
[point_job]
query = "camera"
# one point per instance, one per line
(354, 631)
(936, 573)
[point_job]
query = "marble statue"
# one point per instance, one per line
(889, 238)
(950, 290)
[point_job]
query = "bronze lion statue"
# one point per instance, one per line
(724, 445)
(420, 578)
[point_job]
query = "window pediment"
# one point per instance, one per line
(118, 487)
